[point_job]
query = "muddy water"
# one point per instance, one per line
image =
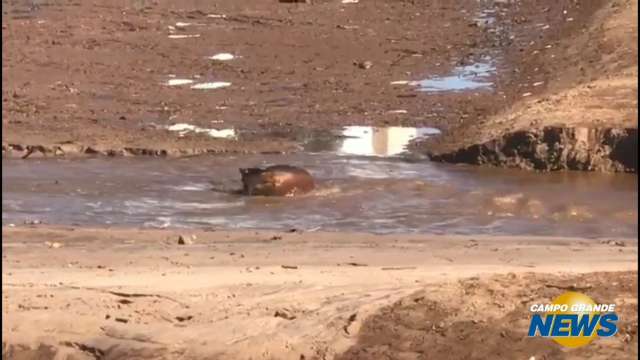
(355, 193)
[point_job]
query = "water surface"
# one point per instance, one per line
(355, 193)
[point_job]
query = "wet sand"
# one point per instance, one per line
(109, 293)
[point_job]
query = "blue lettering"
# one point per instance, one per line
(608, 325)
(560, 324)
(538, 324)
(585, 325)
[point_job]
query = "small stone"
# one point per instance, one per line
(186, 240)
(183, 318)
(53, 245)
(613, 242)
(285, 314)
(365, 65)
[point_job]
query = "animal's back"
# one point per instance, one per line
(277, 180)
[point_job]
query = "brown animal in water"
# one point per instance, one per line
(277, 180)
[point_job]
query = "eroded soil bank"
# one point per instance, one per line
(118, 293)
(107, 75)
(555, 148)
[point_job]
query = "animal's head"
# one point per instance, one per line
(253, 179)
(249, 172)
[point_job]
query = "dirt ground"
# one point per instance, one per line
(91, 75)
(127, 293)
(589, 72)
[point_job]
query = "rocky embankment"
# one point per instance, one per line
(555, 148)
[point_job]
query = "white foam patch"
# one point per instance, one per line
(211, 85)
(145, 205)
(191, 187)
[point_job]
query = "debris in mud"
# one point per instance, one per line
(53, 245)
(350, 321)
(121, 320)
(182, 318)
(211, 85)
(178, 82)
(222, 57)
(353, 264)
(293, 267)
(285, 314)
(365, 65)
(471, 244)
(613, 242)
(183, 36)
(186, 240)
(570, 287)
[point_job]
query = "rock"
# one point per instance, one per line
(70, 148)
(186, 240)
(365, 65)
(613, 242)
(285, 314)
(53, 245)
(182, 318)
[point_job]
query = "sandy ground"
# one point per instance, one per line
(90, 76)
(114, 293)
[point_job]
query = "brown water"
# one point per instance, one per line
(355, 193)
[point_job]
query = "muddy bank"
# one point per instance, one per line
(110, 80)
(72, 150)
(288, 295)
(586, 119)
(555, 148)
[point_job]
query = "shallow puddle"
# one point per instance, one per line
(379, 141)
(469, 77)
(183, 129)
(354, 193)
